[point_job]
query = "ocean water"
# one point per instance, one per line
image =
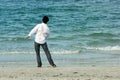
(83, 32)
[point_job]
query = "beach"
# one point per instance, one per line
(84, 40)
(60, 73)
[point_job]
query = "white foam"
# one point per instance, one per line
(52, 52)
(107, 48)
(66, 52)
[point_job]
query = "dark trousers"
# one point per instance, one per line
(47, 52)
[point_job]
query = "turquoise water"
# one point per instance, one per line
(89, 29)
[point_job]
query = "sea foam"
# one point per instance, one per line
(107, 48)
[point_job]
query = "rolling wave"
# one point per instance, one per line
(52, 52)
(77, 51)
(102, 35)
(12, 39)
(107, 48)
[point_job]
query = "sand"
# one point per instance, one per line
(60, 73)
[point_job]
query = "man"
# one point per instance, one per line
(42, 32)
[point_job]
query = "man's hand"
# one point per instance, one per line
(27, 37)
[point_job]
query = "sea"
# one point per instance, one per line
(83, 32)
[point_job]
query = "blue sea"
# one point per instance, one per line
(83, 32)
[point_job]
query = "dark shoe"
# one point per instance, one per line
(39, 66)
(54, 66)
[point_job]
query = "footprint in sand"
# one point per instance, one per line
(75, 72)
(57, 75)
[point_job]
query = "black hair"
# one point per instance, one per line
(45, 19)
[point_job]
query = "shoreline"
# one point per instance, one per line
(81, 60)
(60, 73)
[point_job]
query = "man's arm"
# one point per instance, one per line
(34, 30)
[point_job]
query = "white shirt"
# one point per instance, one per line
(42, 32)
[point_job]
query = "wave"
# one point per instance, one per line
(100, 42)
(66, 52)
(52, 52)
(107, 48)
(102, 35)
(12, 39)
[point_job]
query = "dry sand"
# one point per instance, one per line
(60, 73)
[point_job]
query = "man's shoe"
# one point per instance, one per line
(39, 66)
(54, 66)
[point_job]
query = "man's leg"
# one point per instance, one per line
(47, 52)
(37, 49)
